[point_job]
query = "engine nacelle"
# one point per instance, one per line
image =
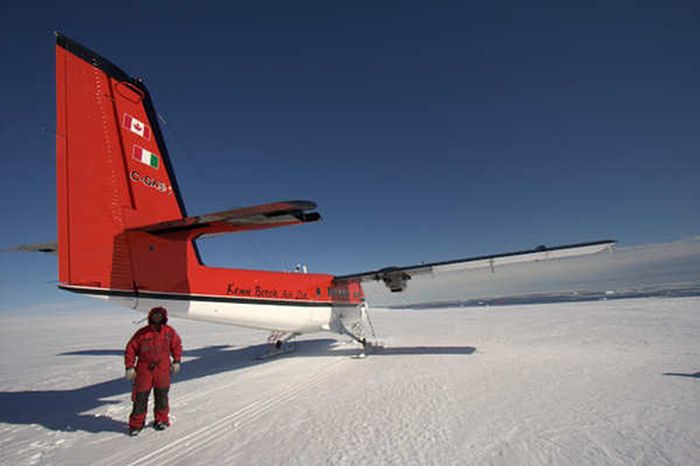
(396, 281)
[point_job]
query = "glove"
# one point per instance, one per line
(175, 368)
(130, 373)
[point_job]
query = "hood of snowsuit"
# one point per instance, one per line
(160, 310)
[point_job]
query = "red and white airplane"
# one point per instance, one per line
(123, 233)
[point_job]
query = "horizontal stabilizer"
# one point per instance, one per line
(395, 278)
(49, 248)
(258, 217)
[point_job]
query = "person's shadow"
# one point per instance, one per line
(63, 410)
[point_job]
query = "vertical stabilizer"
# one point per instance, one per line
(113, 171)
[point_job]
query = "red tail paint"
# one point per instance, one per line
(122, 227)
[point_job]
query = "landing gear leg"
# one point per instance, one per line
(279, 343)
(360, 330)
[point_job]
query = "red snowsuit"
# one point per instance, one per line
(152, 345)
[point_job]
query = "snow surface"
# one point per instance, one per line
(606, 382)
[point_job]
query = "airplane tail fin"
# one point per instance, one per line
(113, 171)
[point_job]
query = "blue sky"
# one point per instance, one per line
(424, 130)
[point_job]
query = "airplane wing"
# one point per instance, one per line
(258, 217)
(396, 278)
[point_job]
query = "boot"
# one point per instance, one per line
(160, 425)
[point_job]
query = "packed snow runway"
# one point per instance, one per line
(605, 382)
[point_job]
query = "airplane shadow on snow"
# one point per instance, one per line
(677, 374)
(66, 410)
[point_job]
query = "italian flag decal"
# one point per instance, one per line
(137, 127)
(145, 157)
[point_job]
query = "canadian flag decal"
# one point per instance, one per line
(137, 127)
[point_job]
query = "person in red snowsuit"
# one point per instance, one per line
(147, 360)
